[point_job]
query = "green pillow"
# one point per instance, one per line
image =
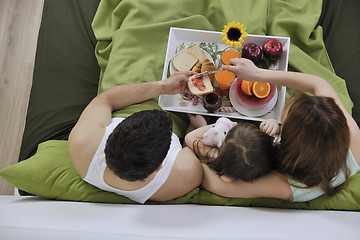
(50, 174)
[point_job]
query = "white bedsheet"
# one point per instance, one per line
(36, 218)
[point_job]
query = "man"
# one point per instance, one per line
(138, 157)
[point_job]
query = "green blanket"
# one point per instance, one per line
(132, 34)
(132, 38)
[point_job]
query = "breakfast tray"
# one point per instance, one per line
(211, 43)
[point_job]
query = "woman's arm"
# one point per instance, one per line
(246, 69)
(273, 185)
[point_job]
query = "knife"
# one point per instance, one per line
(208, 73)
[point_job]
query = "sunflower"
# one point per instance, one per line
(234, 34)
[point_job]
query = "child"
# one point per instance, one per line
(238, 151)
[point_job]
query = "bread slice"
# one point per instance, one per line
(184, 60)
(200, 86)
(197, 68)
(208, 66)
(197, 52)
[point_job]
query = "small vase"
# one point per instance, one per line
(211, 102)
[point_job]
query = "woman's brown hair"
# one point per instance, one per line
(315, 142)
(247, 153)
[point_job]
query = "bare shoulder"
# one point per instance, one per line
(354, 132)
(354, 138)
(88, 132)
(83, 144)
(187, 171)
(185, 175)
(187, 167)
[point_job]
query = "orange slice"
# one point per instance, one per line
(246, 87)
(261, 89)
(229, 54)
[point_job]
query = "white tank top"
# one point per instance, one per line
(95, 173)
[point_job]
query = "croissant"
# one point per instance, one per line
(208, 66)
(197, 68)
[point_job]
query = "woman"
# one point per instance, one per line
(319, 142)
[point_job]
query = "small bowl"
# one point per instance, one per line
(252, 100)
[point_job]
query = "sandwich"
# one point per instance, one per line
(200, 86)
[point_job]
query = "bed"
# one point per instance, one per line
(132, 36)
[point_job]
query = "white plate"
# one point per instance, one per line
(249, 110)
(207, 55)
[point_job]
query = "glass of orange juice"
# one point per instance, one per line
(229, 53)
(224, 79)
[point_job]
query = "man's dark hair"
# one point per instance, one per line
(139, 144)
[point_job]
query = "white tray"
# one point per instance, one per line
(180, 38)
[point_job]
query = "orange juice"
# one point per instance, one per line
(224, 79)
(228, 54)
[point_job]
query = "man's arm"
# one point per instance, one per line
(86, 135)
(100, 108)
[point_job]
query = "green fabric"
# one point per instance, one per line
(338, 19)
(50, 174)
(66, 73)
(132, 34)
(132, 39)
(308, 54)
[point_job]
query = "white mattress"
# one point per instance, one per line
(36, 218)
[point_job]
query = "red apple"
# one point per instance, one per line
(251, 51)
(272, 49)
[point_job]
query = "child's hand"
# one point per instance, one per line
(270, 127)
